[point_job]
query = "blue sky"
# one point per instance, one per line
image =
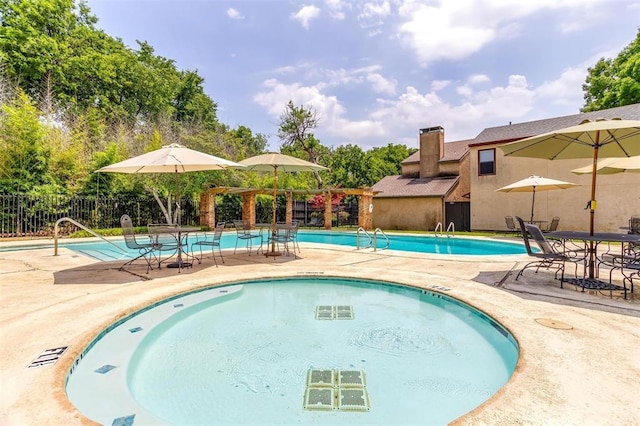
(378, 71)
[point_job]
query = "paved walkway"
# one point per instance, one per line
(587, 374)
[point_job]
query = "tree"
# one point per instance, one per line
(24, 153)
(614, 82)
(296, 124)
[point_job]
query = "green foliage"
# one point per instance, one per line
(24, 154)
(614, 82)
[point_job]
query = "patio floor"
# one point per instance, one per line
(587, 374)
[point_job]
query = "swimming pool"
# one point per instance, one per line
(414, 243)
(246, 354)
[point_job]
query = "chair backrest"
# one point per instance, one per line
(511, 226)
(525, 235)
(217, 232)
(554, 224)
(127, 232)
(634, 225)
(539, 238)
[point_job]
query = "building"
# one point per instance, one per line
(441, 180)
(430, 190)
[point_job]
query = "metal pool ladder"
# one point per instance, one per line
(364, 231)
(450, 228)
(79, 225)
(375, 239)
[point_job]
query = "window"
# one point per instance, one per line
(487, 162)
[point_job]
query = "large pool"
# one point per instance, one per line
(414, 243)
(295, 351)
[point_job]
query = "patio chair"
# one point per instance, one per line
(553, 225)
(245, 233)
(166, 242)
(511, 225)
(211, 239)
(548, 256)
(145, 249)
(634, 225)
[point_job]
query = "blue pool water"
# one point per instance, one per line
(414, 243)
(242, 354)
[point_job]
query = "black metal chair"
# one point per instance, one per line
(548, 256)
(212, 240)
(166, 242)
(146, 250)
(511, 225)
(244, 233)
(553, 225)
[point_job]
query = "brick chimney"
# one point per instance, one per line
(431, 151)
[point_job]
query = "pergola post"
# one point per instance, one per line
(365, 210)
(328, 213)
(208, 209)
(249, 209)
(289, 215)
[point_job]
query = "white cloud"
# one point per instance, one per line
(455, 29)
(336, 8)
(381, 84)
(440, 84)
(478, 78)
(374, 13)
(234, 13)
(306, 14)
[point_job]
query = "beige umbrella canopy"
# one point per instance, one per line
(273, 162)
(173, 158)
(590, 139)
(609, 166)
(533, 184)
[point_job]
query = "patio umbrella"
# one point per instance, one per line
(173, 158)
(609, 166)
(533, 184)
(590, 139)
(274, 161)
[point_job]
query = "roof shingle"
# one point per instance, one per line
(398, 186)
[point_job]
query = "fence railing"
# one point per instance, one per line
(35, 216)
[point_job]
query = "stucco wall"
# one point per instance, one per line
(618, 195)
(411, 213)
(463, 187)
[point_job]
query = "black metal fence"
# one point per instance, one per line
(31, 216)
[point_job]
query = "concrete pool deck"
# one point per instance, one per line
(587, 374)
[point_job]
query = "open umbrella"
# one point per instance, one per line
(609, 166)
(533, 184)
(173, 158)
(590, 139)
(274, 161)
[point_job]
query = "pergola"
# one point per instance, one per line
(208, 215)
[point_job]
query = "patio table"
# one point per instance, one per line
(592, 242)
(180, 233)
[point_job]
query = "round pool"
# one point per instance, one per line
(295, 350)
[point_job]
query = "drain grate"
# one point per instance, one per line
(339, 312)
(321, 378)
(336, 390)
(48, 356)
(353, 400)
(319, 398)
(351, 379)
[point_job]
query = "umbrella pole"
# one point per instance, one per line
(593, 203)
(533, 203)
(273, 219)
(177, 199)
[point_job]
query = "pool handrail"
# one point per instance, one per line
(435, 231)
(451, 227)
(68, 219)
(375, 239)
(358, 238)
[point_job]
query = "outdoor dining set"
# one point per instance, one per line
(170, 245)
(598, 253)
